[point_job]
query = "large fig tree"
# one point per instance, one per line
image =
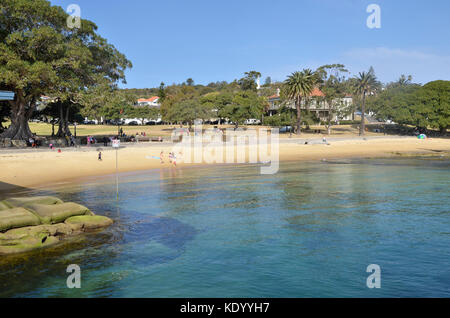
(41, 54)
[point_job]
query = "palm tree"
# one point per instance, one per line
(299, 85)
(366, 83)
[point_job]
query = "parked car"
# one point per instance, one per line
(252, 121)
(133, 123)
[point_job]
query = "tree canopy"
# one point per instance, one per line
(40, 54)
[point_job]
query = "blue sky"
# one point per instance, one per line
(211, 40)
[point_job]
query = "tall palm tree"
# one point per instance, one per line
(366, 83)
(297, 86)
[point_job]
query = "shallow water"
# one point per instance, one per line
(310, 230)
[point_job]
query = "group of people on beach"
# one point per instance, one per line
(172, 157)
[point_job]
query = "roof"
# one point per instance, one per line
(316, 92)
(151, 99)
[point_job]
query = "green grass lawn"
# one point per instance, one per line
(44, 129)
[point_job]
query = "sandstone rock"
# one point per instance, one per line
(88, 222)
(4, 206)
(26, 239)
(36, 222)
(17, 217)
(57, 213)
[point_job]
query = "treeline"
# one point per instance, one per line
(80, 71)
(406, 103)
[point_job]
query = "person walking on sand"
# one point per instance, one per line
(174, 159)
(99, 156)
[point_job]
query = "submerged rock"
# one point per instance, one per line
(31, 223)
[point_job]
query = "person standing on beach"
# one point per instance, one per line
(99, 156)
(174, 159)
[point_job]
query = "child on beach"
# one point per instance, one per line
(99, 156)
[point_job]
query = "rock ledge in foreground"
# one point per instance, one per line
(31, 223)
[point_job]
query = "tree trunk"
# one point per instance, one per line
(19, 128)
(329, 117)
(363, 110)
(299, 115)
(63, 129)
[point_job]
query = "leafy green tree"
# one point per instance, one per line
(298, 86)
(40, 54)
(142, 112)
(433, 104)
(249, 81)
(162, 92)
(397, 103)
(366, 83)
(285, 117)
(190, 82)
(332, 83)
(268, 81)
(244, 105)
(216, 101)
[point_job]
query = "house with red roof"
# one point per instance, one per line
(149, 102)
(315, 104)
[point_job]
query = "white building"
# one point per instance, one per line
(316, 104)
(149, 102)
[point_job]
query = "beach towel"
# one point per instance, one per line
(17, 217)
(20, 202)
(56, 213)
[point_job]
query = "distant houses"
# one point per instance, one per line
(149, 102)
(316, 104)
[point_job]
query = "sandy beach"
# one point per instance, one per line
(38, 167)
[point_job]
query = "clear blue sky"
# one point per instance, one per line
(212, 40)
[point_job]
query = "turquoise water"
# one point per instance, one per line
(310, 230)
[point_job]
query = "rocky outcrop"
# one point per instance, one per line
(37, 222)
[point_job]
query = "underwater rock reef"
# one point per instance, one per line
(36, 222)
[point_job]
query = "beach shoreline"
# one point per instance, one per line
(36, 168)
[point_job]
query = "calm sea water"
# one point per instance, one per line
(310, 230)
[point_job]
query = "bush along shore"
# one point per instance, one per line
(36, 222)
